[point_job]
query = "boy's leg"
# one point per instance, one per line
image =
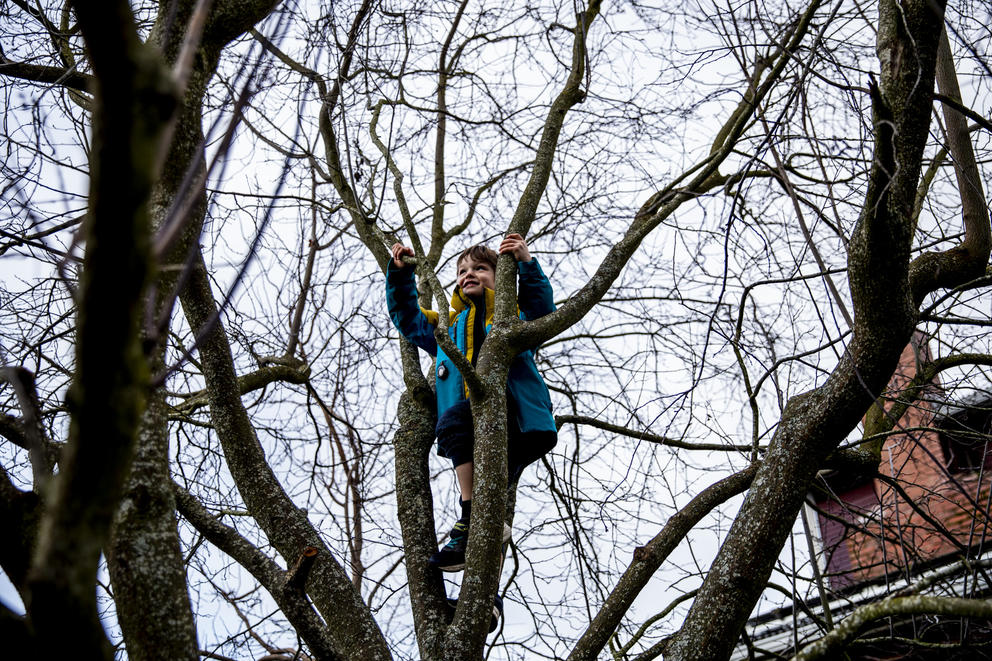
(464, 474)
(455, 441)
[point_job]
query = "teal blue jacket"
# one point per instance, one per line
(524, 385)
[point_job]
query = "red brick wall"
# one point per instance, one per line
(889, 532)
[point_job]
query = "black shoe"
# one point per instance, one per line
(452, 556)
(497, 611)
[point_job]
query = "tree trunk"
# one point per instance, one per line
(156, 623)
(133, 100)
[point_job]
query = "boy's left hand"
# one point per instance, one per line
(515, 245)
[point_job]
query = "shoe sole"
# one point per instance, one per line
(493, 622)
(457, 567)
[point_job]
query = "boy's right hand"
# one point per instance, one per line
(398, 251)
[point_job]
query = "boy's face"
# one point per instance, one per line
(474, 277)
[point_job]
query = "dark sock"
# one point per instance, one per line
(466, 510)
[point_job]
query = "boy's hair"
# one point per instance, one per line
(479, 253)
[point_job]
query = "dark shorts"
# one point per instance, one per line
(456, 441)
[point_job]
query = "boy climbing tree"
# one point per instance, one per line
(531, 430)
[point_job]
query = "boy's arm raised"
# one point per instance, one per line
(535, 297)
(413, 322)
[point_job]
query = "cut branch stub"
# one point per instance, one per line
(297, 576)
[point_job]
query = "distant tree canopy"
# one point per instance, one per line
(215, 445)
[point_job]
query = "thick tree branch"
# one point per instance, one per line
(339, 169)
(846, 631)
(562, 420)
(967, 260)
(413, 441)
(537, 183)
(466, 637)
(145, 549)
(290, 597)
(38, 73)
(648, 558)
(20, 514)
(297, 373)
